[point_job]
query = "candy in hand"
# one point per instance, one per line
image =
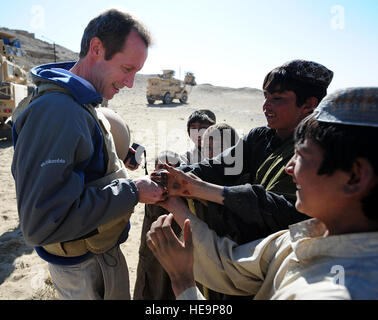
(161, 178)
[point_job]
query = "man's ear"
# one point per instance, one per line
(310, 104)
(96, 48)
(361, 178)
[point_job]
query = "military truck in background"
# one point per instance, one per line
(13, 81)
(166, 87)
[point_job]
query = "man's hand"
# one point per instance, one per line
(149, 191)
(175, 256)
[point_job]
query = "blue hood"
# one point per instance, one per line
(58, 73)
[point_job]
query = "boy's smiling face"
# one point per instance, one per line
(317, 195)
(282, 113)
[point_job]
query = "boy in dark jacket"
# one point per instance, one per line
(265, 204)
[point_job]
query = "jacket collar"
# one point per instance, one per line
(58, 73)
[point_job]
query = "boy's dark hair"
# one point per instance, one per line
(201, 116)
(112, 27)
(279, 80)
(342, 145)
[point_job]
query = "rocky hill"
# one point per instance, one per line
(36, 51)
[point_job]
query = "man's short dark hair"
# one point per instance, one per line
(112, 27)
(279, 80)
(342, 145)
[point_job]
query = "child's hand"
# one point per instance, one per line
(180, 183)
(173, 204)
(175, 256)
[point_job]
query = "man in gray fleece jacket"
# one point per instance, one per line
(73, 195)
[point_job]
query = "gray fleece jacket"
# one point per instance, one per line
(58, 150)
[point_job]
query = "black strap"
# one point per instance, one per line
(145, 162)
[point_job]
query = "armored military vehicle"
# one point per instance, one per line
(166, 87)
(13, 81)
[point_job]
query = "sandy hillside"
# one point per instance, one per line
(23, 275)
(37, 51)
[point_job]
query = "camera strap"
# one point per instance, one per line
(145, 162)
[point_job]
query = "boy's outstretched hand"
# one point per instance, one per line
(178, 183)
(175, 256)
(188, 185)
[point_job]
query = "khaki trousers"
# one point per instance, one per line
(102, 277)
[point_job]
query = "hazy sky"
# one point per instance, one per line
(226, 42)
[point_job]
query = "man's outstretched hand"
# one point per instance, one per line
(175, 256)
(149, 191)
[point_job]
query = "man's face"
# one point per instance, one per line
(109, 76)
(282, 112)
(317, 195)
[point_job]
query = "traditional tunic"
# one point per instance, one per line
(299, 263)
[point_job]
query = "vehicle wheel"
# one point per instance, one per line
(150, 101)
(184, 98)
(6, 132)
(167, 98)
(8, 135)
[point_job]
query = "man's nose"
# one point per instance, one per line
(129, 80)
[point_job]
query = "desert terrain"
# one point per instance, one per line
(158, 127)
